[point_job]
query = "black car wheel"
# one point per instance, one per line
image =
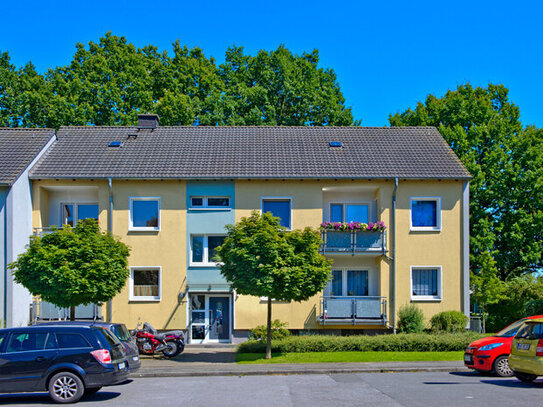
(66, 387)
(501, 367)
(525, 377)
(172, 349)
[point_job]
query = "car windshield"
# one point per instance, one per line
(510, 330)
(121, 332)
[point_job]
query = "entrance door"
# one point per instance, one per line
(210, 319)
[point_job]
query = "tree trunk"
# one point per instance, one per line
(72, 313)
(268, 330)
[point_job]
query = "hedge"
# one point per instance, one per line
(446, 342)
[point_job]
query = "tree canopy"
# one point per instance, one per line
(506, 196)
(73, 266)
(110, 81)
(263, 259)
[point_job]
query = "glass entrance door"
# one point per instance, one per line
(210, 319)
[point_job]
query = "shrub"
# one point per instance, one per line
(449, 321)
(279, 331)
(410, 319)
(379, 343)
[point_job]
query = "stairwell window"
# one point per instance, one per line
(144, 214)
(425, 214)
(203, 249)
(209, 202)
(426, 283)
(280, 207)
(145, 283)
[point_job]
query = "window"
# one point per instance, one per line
(279, 207)
(204, 249)
(145, 284)
(349, 212)
(426, 283)
(70, 213)
(425, 214)
(66, 341)
(209, 202)
(144, 213)
(24, 342)
(348, 283)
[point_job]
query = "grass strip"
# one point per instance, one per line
(342, 357)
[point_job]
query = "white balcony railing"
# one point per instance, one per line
(353, 242)
(353, 310)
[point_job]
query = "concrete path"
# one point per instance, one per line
(220, 361)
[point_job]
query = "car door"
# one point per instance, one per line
(27, 354)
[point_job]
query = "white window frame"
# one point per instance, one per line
(131, 226)
(439, 296)
(75, 214)
(131, 295)
(279, 198)
(205, 258)
(345, 203)
(205, 205)
(344, 286)
(436, 228)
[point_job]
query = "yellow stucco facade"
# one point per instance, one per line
(310, 200)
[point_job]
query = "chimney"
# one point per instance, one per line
(147, 121)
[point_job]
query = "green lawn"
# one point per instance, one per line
(329, 357)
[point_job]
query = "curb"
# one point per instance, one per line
(266, 372)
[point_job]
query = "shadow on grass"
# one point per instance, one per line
(253, 357)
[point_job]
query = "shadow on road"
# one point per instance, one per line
(43, 398)
(514, 383)
(471, 374)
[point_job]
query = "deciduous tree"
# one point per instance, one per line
(263, 259)
(73, 266)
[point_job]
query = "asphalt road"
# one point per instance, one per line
(366, 389)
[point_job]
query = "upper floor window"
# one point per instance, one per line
(279, 207)
(144, 213)
(204, 249)
(426, 213)
(349, 212)
(70, 213)
(426, 283)
(209, 202)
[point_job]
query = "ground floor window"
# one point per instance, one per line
(145, 283)
(425, 283)
(348, 283)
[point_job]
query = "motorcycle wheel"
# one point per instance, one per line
(172, 349)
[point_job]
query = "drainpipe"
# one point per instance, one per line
(5, 262)
(393, 299)
(109, 315)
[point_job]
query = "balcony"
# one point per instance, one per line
(44, 231)
(353, 242)
(353, 310)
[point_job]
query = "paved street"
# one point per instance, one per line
(365, 389)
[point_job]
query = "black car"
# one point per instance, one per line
(120, 330)
(66, 361)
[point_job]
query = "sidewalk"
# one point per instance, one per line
(221, 361)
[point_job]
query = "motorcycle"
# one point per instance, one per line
(149, 341)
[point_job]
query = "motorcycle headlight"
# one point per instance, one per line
(491, 346)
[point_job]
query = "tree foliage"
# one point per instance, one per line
(506, 196)
(110, 81)
(73, 266)
(263, 259)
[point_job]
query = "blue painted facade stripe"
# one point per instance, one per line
(208, 222)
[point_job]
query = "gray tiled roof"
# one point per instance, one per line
(18, 148)
(250, 152)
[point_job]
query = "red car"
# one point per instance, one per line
(490, 354)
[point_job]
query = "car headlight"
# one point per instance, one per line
(491, 346)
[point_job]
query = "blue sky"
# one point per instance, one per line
(387, 55)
